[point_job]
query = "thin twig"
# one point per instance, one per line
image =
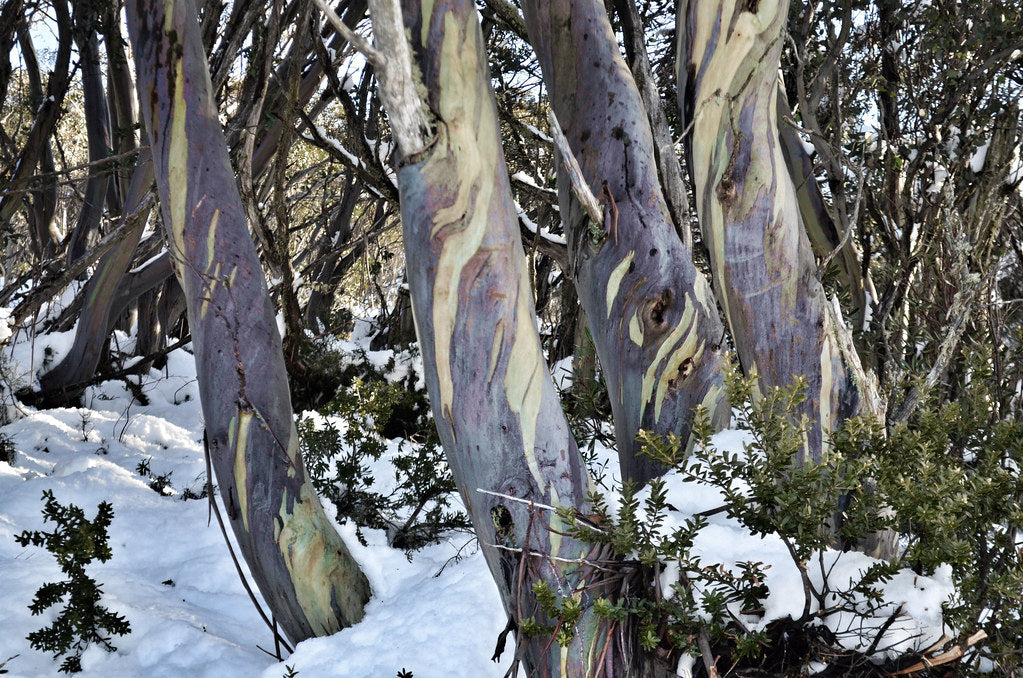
(580, 188)
(230, 549)
(529, 502)
(850, 227)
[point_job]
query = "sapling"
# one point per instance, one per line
(75, 542)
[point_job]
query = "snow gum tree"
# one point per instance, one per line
(538, 184)
(764, 267)
(496, 407)
(650, 312)
(303, 569)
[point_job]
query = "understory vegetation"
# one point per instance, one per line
(376, 417)
(714, 303)
(948, 482)
(74, 542)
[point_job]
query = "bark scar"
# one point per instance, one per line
(612, 209)
(726, 192)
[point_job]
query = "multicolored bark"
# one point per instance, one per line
(651, 313)
(303, 569)
(749, 208)
(495, 404)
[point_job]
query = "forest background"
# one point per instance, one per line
(827, 192)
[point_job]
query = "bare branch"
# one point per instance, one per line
(409, 124)
(575, 174)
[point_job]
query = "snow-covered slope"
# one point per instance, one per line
(172, 577)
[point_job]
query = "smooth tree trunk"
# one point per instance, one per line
(651, 313)
(763, 265)
(302, 567)
(495, 404)
(95, 319)
(765, 274)
(669, 166)
(41, 225)
(828, 240)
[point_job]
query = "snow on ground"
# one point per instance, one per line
(171, 575)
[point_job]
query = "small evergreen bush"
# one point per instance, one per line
(416, 510)
(948, 482)
(75, 542)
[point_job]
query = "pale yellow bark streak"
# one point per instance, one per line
(177, 159)
(636, 330)
(212, 276)
(495, 348)
(523, 379)
(462, 225)
(557, 526)
(689, 350)
(614, 281)
(827, 384)
(238, 441)
(426, 11)
(712, 398)
(649, 378)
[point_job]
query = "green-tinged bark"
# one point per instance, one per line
(651, 313)
(303, 569)
(495, 404)
(764, 270)
(827, 241)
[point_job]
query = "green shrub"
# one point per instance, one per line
(948, 482)
(75, 542)
(417, 511)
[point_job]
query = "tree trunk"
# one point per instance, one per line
(668, 166)
(97, 126)
(303, 569)
(42, 229)
(764, 270)
(44, 123)
(94, 320)
(651, 313)
(495, 404)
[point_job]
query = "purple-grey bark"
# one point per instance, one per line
(495, 404)
(97, 129)
(303, 569)
(651, 313)
(764, 269)
(94, 321)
